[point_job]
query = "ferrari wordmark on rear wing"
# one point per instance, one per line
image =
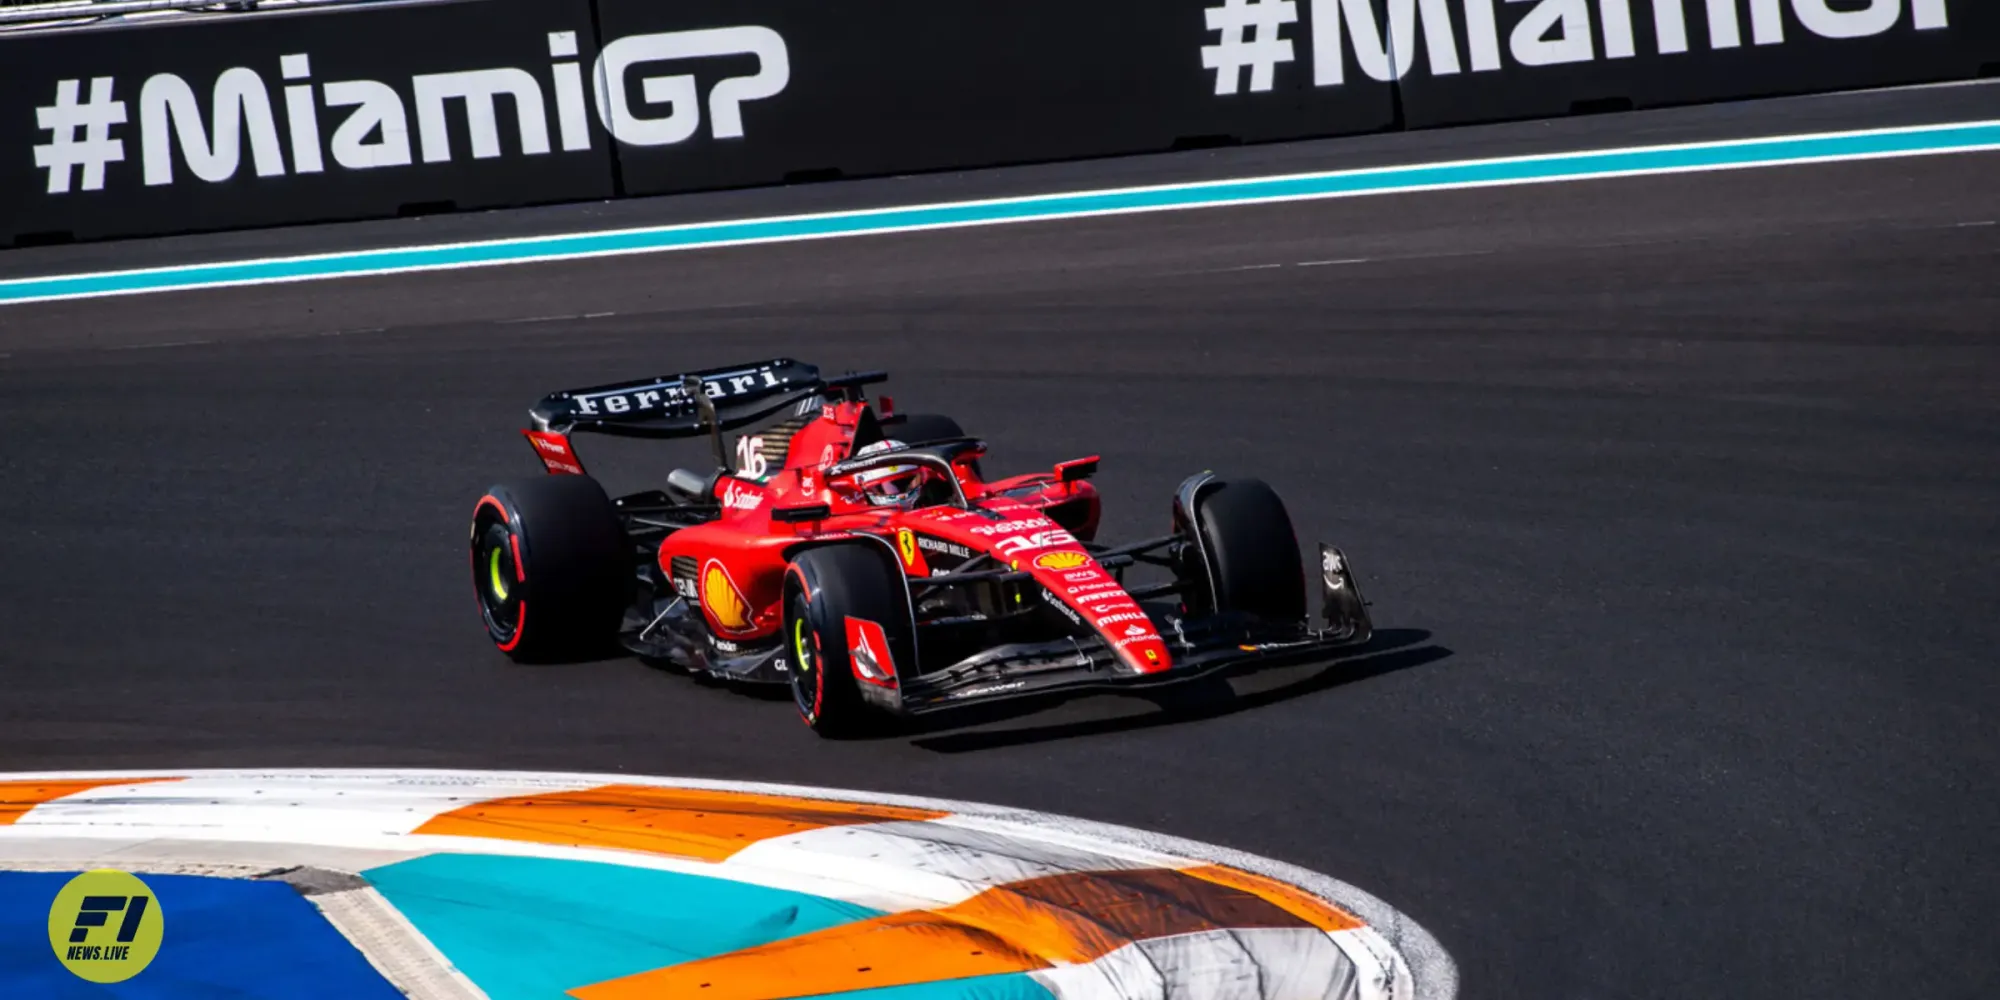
(712, 402)
(672, 406)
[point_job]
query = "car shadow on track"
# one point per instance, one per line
(1390, 651)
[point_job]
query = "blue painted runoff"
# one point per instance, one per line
(525, 928)
(221, 939)
(1552, 167)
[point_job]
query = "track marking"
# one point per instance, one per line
(156, 347)
(553, 319)
(24, 793)
(1736, 154)
(337, 333)
(1023, 893)
(1330, 263)
(705, 826)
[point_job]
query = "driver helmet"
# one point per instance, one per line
(888, 486)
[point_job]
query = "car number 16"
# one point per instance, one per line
(750, 457)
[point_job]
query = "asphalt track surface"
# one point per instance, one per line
(1677, 499)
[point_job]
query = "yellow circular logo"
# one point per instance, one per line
(1062, 560)
(719, 594)
(106, 926)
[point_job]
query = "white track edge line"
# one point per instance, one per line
(558, 258)
(1188, 186)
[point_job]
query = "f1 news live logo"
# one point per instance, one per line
(106, 926)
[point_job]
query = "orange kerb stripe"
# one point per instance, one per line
(1295, 901)
(687, 823)
(1069, 918)
(896, 950)
(17, 797)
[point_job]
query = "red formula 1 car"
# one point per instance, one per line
(865, 560)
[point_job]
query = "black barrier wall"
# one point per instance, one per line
(226, 121)
(1489, 60)
(222, 121)
(899, 85)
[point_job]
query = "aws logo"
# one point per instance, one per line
(724, 602)
(106, 926)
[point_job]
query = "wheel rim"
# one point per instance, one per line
(494, 578)
(805, 664)
(493, 575)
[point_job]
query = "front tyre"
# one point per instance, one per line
(842, 601)
(1250, 552)
(552, 568)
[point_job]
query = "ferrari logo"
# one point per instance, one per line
(913, 560)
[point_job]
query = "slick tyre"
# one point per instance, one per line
(552, 568)
(1252, 552)
(918, 428)
(825, 589)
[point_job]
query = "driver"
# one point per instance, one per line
(889, 486)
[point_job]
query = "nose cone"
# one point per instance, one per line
(1022, 538)
(1078, 581)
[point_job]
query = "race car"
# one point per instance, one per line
(863, 558)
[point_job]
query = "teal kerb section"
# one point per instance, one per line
(1553, 167)
(525, 928)
(1013, 986)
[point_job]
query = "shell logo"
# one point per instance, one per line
(1061, 560)
(723, 601)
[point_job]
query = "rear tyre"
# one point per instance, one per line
(824, 587)
(1252, 553)
(918, 428)
(552, 568)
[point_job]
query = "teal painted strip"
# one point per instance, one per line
(1010, 986)
(1552, 167)
(525, 928)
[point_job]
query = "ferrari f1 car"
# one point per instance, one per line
(863, 558)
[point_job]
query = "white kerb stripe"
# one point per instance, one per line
(1060, 832)
(1258, 964)
(1383, 973)
(278, 808)
(937, 861)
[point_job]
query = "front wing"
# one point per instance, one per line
(1200, 647)
(1021, 671)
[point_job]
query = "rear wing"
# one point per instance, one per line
(664, 407)
(692, 404)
